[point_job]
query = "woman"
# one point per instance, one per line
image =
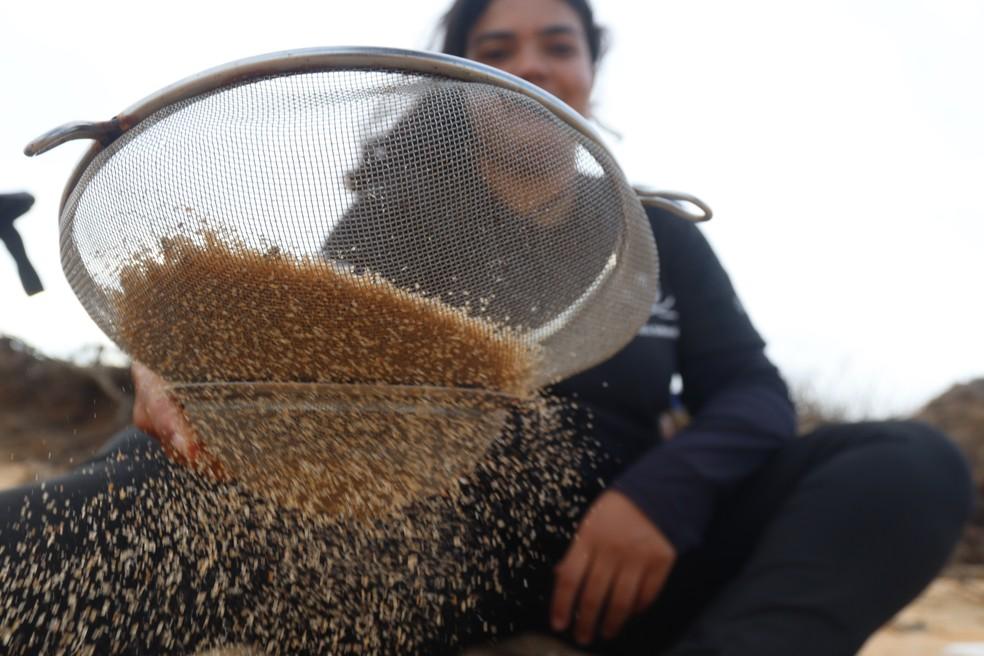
(732, 537)
(729, 538)
(502, 223)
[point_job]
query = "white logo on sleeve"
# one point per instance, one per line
(663, 318)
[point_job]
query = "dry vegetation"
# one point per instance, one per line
(55, 414)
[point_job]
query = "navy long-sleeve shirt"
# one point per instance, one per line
(697, 328)
(740, 406)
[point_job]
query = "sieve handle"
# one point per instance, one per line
(104, 132)
(673, 201)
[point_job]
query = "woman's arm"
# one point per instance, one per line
(661, 506)
(739, 403)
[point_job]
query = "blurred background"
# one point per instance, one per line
(840, 144)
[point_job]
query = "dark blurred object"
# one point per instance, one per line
(11, 207)
(959, 412)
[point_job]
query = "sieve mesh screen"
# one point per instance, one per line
(471, 198)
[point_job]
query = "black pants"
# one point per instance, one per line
(810, 556)
(843, 528)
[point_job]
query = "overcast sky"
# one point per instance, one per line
(840, 143)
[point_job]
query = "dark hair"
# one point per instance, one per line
(459, 20)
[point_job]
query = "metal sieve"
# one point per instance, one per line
(445, 178)
(332, 253)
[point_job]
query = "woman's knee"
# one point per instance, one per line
(939, 458)
(926, 472)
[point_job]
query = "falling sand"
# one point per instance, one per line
(173, 561)
(391, 482)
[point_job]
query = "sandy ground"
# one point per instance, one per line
(947, 620)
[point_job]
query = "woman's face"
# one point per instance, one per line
(541, 41)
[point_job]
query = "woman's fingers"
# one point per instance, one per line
(158, 415)
(622, 600)
(617, 564)
(142, 387)
(593, 596)
(155, 413)
(569, 574)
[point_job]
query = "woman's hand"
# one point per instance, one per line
(155, 413)
(617, 562)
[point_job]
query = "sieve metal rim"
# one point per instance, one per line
(291, 62)
(315, 60)
(398, 399)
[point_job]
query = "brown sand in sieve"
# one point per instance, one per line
(413, 390)
(212, 311)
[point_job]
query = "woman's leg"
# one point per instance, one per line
(118, 557)
(49, 531)
(834, 536)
